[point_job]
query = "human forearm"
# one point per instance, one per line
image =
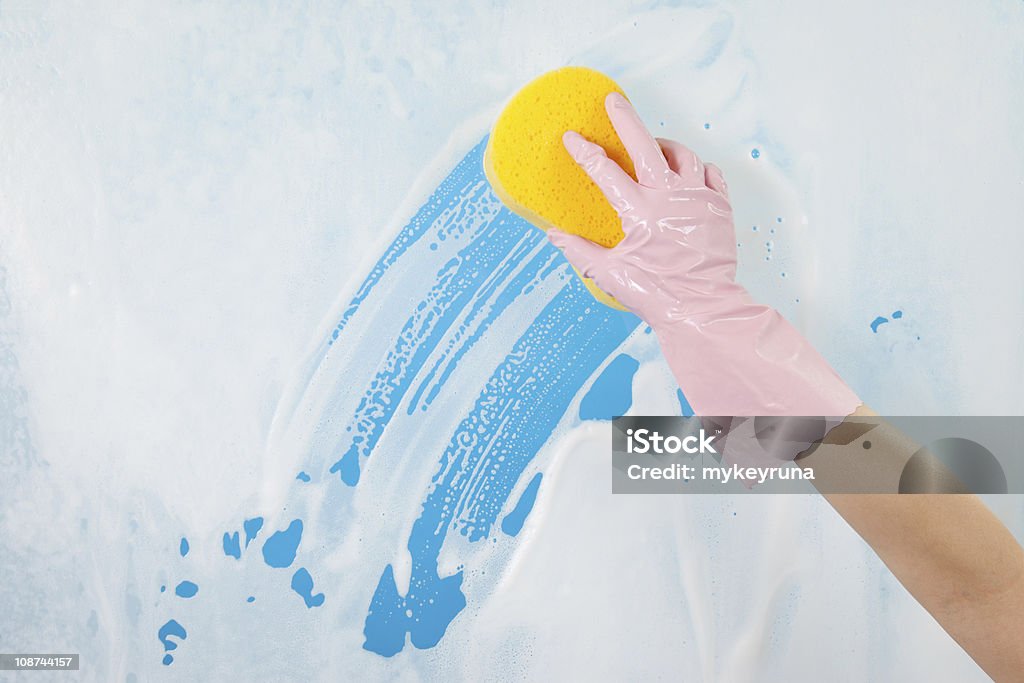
(949, 551)
(958, 560)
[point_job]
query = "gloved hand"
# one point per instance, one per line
(676, 269)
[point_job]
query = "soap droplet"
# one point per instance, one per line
(755, 153)
(754, 228)
(707, 126)
(783, 274)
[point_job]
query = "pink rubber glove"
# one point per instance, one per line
(676, 269)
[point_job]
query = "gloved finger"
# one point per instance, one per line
(584, 255)
(715, 180)
(684, 162)
(617, 185)
(651, 168)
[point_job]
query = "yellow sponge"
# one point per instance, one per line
(535, 177)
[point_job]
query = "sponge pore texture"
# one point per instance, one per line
(530, 170)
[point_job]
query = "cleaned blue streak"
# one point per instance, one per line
(479, 223)
(170, 628)
(232, 547)
(302, 583)
(513, 417)
(611, 395)
(461, 280)
(186, 589)
(452, 209)
(488, 306)
(279, 550)
(495, 258)
(252, 528)
(465, 176)
(514, 520)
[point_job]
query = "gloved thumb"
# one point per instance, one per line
(585, 256)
